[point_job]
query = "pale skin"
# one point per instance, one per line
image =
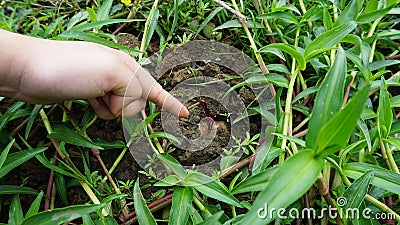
(44, 71)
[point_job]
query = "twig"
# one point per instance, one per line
(230, 9)
(50, 185)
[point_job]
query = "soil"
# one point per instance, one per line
(33, 174)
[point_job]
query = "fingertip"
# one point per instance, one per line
(183, 113)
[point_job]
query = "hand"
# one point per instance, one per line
(43, 71)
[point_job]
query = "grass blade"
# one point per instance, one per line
(61, 215)
(34, 209)
(294, 177)
(173, 164)
(181, 202)
(335, 134)
(15, 215)
(205, 22)
(62, 133)
(256, 182)
(4, 153)
(329, 39)
(383, 178)
(143, 213)
(354, 195)
(291, 50)
(385, 115)
(329, 99)
(12, 189)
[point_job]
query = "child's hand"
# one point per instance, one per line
(44, 71)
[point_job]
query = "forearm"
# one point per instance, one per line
(12, 64)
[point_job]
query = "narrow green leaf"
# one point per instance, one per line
(354, 195)
(329, 99)
(32, 117)
(161, 134)
(294, 178)
(348, 14)
(34, 208)
(376, 65)
(92, 14)
(383, 178)
(181, 202)
(384, 112)
(298, 141)
(395, 141)
(45, 162)
(104, 10)
(91, 25)
(364, 129)
(210, 187)
(173, 164)
(329, 38)
(61, 188)
(87, 220)
(142, 211)
(4, 153)
(394, 102)
(256, 182)
(284, 16)
(289, 49)
(169, 181)
(15, 159)
(335, 134)
(327, 19)
(15, 215)
(12, 189)
(308, 91)
(61, 215)
(208, 19)
(62, 133)
(214, 219)
(152, 22)
(369, 17)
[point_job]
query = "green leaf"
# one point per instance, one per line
(15, 215)
(210, 187)
(79, 35)
(306, 92)
(173, 164)
(109, 145)
(354, 195)
(376, 65)
(291, 138)
(104, 10)
(335, 134)
(62, 133)
(214, 219)
(384, 112)
(15, 159)
(329, 99)
(92, 14)
(284, 16)
(181, 202)
(293, 178)
(395, 101)
(31, 119)
(61, 215)
(383, 178)
(374, 15)
(348, 14)
(12, 189)
(161, 134)
(45, 162)
(169, 181)
(329, 39)
(207, 19)
(90, 26)
(61, 187)
(289, 49)
(142, 211)
(4, 153)
(256, 182)
(34, 208)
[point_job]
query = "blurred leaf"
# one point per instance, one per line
(298, 141)
(181, 202)
(384, 111)
(34, 208)
(15, 159)
(329, 99)
(335, 134)
(173, 164)
(354, 195)
(142, 211)
(62, 133)
(109, 145)
(376, 65)
(395, 101)
(111, 197)
(214, 219)
(348, 14)
(207, 19)
(4, 153)
(79, 35)
(256, 182)
(45, 162)
(91, 25)
(92, 14)
(289, 49)
(327, 19)
(12, 189)
(61, 215)
(87, 220)
(364, 129)
(9, 114)
(104, 10)
(306, 92)
(293, 178)
(383, 178)
(329, 39)
(369, 17)
(15, 215)
(210, 187)
(395, 142)
(284, 16)
(235, 24)
(168, 181)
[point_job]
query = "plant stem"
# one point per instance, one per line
(391, 160)
(382, 206)
(200, 205)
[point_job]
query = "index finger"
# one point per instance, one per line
(153, 91)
